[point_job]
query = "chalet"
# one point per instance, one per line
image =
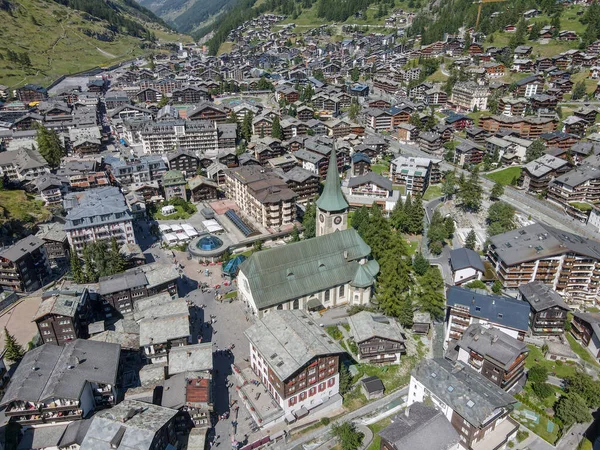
(380, 339)
(466, 265)
(206, 111)
(548, 314)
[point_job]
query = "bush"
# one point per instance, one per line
(542, 390)
(334, 332)
(511, 444)
(476, 284)
(522, 435)
(538, 374)
(325, 421)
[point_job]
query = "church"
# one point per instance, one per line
(332, 269)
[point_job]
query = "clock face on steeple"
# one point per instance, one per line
(337, 220)
(321, 218)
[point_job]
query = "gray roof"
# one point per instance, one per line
(75, 432)
(121, 282)
(103, 205)
(152, 374)
(130, 425)
(190, 358)
(164, 307)
(53, 231)
(504, 311)
(127, 341)
(492, 344)
(372, 384)
(22, 248)
(422, 427)
(540, 241)
(157, 273)
(371, 177)
(541, 296)
(61, 304)
(366, 325)
(463, 258)
(287, 340)
(544, 164)
(302, 268)
(51, 371)
(465, 391)
(42, 437)
(161, 330)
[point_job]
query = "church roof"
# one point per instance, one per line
(332, 198)
(281, 274)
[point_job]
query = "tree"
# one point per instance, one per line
(578, 91)
(420, 264)
(415, 120)
(542, 390)
(471, 240)
(232, 117)
(76, 269)
(355, 74)
(49, 146)
(13, 350)
(246, 130)
(470, 192)
(570, 409)
(318, 74)
(518, 38)
(449, 185)
(345, 380)
(416, 215)
(360, 215)
(497, 287)
(537, 374)
(497, 191)
(277, 131)
(295, 235)
(116, 261)
(347, 435)
(257, 246)
(585, 386)
(399, 217)
(309, 221)
(164, 101)
(431, 296)
(354, 110)
(500, 218)
(535, 150)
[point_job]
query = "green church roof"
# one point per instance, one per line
(300, 269)
(332, 198)
(365, 274)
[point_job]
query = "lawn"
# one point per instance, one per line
(540, 428)
(401, 188)
(558, 368)
(412, 247)
(580, 351)
(19, 205)
(232, 294)
(437, 76)
(180, 214)
(225, 48)
(334, 332)
(380, 168)
(433, 191)
(506, 176)
(581, 206)
(376, 428)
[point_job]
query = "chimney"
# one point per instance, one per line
(407, 411)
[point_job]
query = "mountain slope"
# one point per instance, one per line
(41, 40)
(188, 16)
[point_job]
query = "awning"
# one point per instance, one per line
(289, 418)
(314, 303)
(212, 226)
(301, 412)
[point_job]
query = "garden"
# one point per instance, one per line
(183, 210)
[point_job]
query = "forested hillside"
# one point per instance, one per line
(187, 15)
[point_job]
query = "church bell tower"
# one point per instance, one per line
(332, 207)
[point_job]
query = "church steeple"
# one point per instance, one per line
(332, 198)
(332, 205)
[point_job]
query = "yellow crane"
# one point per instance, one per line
(480, 3)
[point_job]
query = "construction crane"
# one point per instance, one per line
(480, 3)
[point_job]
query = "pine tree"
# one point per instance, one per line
(309, 221)
(415, 218)
(116, 261)
(497, 191)
(13, 350)
(49, 146)
(359, 217)
(420, 264)
(76, 269)
(277, 131)
(91, 276)
(295, 235)
(246, 132)
(399, 218)
(471, 240)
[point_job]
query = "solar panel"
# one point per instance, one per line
(239, 223)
